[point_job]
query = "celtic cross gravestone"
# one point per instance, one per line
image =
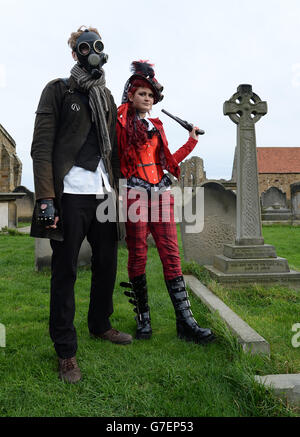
(245, 109)
(249, 260)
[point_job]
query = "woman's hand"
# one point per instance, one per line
(193, 133)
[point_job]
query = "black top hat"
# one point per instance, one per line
(142, 70)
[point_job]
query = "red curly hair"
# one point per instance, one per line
(136, 130)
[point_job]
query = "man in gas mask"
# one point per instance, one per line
(75, 162)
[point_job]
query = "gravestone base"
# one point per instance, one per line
(276, 215)
(249, 252)
(252, 264)
(289, 279)
(259, 265)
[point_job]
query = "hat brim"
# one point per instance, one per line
(148, 82)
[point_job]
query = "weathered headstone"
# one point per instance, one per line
(43, 253)
(245, 108)
(25, 205)
(249, 260)
(295, 200)
(8, 209)
(219, 225)
(274, 205)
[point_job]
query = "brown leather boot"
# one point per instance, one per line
(114, 336)
(69, 370)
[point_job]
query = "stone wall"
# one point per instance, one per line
(279, 180)
(25, 205)
(10, 164)
(192, 172)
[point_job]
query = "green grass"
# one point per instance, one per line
(23, 224)
(287, 240)
(160, 377)
(270, 311)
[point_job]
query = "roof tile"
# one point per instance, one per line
(278, 159)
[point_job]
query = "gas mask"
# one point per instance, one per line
(89, 51)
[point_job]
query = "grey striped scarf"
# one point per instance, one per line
(97, 102)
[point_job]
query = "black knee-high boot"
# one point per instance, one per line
(187, 327)
(139, 295)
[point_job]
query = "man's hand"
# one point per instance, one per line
(47, 214)
(193, 133)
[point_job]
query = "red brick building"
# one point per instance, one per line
(278, 167)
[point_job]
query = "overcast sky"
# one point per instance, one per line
(202, 51)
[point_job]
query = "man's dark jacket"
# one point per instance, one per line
(59, 133)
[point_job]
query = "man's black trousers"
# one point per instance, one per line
(80, 221)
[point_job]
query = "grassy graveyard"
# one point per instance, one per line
(270, 311)
(160, 377)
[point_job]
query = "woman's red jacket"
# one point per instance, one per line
(127, 154)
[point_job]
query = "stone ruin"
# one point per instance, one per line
(10, 178)
(10, 164)
(192, 172)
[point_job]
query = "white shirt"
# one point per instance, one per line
(81, 181)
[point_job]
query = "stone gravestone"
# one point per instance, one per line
(8, 209)
(249, 260)
(219, 225)
(274, 205)
(295, 200)
(43, 253)
(25, 205)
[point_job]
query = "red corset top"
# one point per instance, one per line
(149, 167)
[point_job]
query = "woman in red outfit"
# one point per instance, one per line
(144, 155)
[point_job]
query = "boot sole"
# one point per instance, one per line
(143, 336)
(97, 337)
(68, 379)
(207, 340)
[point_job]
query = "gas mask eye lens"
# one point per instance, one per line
(84, 48)
(98, 46)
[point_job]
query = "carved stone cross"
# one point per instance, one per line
(245, 108)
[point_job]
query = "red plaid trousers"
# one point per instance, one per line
(154, 215)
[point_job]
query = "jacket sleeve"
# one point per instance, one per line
(185, 150)
(45, 129)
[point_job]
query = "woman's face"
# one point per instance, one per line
(142, 100)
